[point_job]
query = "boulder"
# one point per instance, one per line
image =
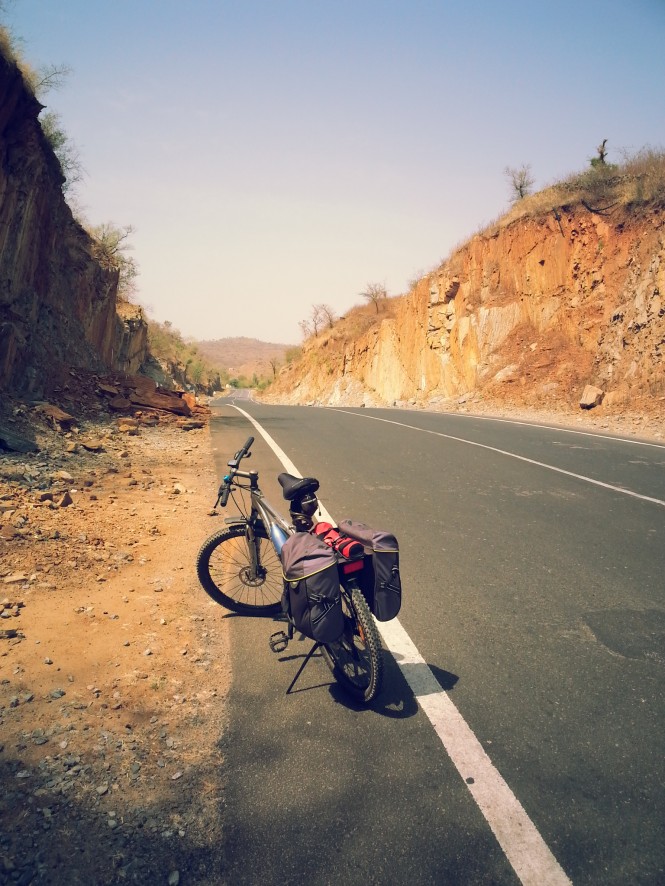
(119, 403)
(107, 389)
(14, 442)
(591, 396)
(57, 415)
(165, 400)
(142, 384)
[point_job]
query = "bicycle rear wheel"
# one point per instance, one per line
(356, 659)
(223, 566)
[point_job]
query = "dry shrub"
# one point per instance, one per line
(646, 171)
(12, 53)
(6, 44)
(638, 182)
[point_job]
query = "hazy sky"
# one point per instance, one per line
(275, 154)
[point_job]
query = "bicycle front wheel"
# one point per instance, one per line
(356, 659)
(224, 568)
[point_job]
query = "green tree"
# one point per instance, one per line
(598, 161)
(196, 371)
(111, 247)
(43, 80)
(64, 149)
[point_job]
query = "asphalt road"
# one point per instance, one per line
(533, 565)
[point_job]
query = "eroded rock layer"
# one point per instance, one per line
(57, 304)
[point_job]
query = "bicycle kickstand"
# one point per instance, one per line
(302, 666)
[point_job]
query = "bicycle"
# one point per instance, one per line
(240, 568)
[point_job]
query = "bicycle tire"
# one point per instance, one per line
(356, 660)
(222, 567)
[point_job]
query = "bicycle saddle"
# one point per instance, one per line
(296, 487)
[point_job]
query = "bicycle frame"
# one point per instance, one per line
(261, 512)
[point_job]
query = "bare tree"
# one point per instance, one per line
(521, 181)
(305, 328)
(327, 315)
(274, 365)
(316, 318)
(374, 293)
(48, 78)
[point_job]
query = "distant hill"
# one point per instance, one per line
(243, 356)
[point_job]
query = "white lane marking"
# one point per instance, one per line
(281, 455)
(530, 461)
(525, 849)
(533, 424)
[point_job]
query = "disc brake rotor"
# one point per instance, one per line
(252, 581)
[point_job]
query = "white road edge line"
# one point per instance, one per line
(532, 424)
(530, 461)
(525, 849)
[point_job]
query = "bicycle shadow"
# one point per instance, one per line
(396, 699)
(230, 614)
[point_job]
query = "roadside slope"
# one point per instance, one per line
(115, 665)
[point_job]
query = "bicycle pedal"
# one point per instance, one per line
(278, 641)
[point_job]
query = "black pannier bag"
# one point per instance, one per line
(311, 597)
(379, 580)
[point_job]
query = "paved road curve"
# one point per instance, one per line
(534, 566)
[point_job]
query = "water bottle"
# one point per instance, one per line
(278, 536)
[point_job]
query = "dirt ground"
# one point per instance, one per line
(114, 664)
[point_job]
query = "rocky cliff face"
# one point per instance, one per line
(57, 304)
(529, 312)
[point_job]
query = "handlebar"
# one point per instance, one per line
(225, 488)
(243, 452)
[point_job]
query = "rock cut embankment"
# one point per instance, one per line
(527, 313)
(57, 303)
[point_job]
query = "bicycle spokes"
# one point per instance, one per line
(245, 572)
